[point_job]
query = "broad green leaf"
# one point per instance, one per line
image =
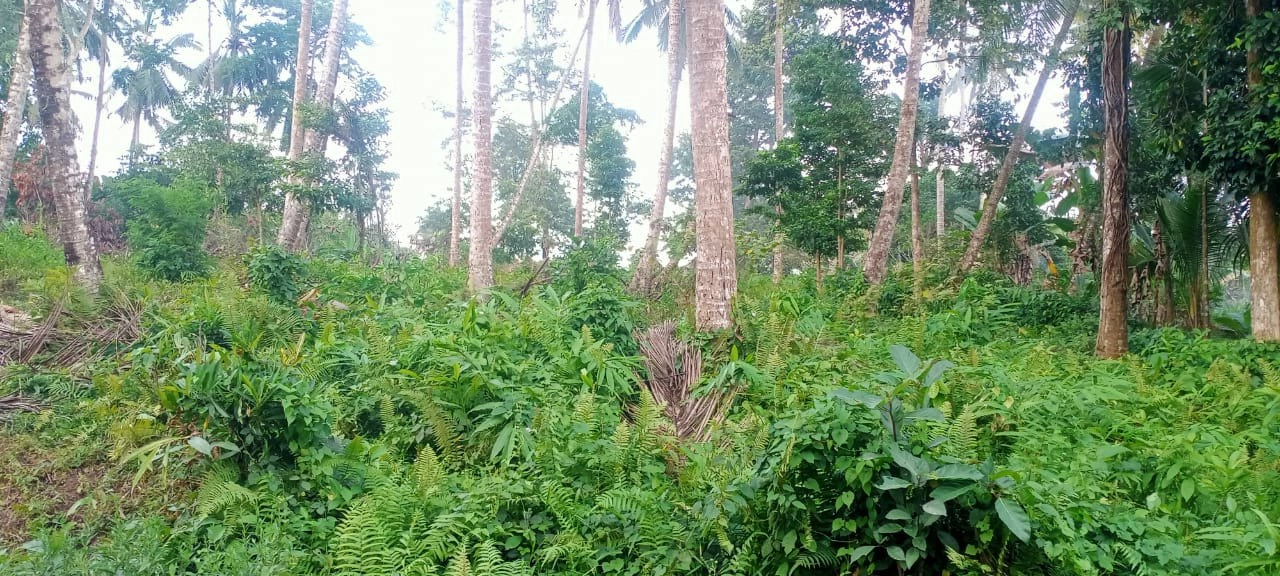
(905, 359)
(957, 472)
(947, 491)
(859, 552)
(897, 514)
(896, 553)
(1188, 489)
(892, 483)
(935, 507)
(1015, 518)
(201, 445)
(857, 397)
(936, 371)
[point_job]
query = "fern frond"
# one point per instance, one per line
(220, 491)
(361, 546)
(427, 471)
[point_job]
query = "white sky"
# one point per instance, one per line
(413, 55)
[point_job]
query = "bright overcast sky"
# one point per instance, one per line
(413, 56)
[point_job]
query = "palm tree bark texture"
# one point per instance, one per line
(52, 73)
(716, 280)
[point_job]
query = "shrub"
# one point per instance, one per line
(166, 227)
(25, 253)
(276, 272)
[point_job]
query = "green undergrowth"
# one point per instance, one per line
(289, 416)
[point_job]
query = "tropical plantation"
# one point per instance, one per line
(912, 287)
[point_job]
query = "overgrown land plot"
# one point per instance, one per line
(224, 350)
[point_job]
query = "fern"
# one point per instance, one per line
(361, 544)
(962, 435)
(219, 491)
(427, 471)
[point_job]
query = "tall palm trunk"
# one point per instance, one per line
(53, 91)
(917, 235)
(779, 123)
(1164, 308)
(19, 83)
(455, 220)
(583, 102)
(1113, 331)
(316, 141)
(103, 58)
(642, 281)
(940, 194)
(480, 261)
(716, 280)
(1015, 148)
(1264, 236)
(297, 132)
(877, 259)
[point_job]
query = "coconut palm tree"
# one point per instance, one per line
(716, 281)
(455, 216)
(19, 81)
(615, 24)
(877, 258)
(146, 83)
(480, 259)
(52, 72)
(992, 202)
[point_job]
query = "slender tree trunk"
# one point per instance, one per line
(779, 120)
(455, 220)
(817, 272)
(97, 106)
(840, 209)
(480, 261)
(1164, 308)
(716, 280)
(877, 259)
(940, 226)
(19, 84)
(643, 280)
(1015, 148)
(317, 141)
(293, 206)
(535, 155)
(584, 101)
(136, 140)
(1264, 234)
(53, 91)
(1113, 332)
(917, 235)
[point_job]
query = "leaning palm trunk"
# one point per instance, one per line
(19, 81)
(917, 237)
(716, 281)
(1015, 148)
(584, 100)
(643, 280)
(98, 102)
(877, 259)
(1264, 239)
(675, 370)
(53, 91)
(480, 259)
(1113, 331)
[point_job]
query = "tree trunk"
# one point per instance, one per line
(817, 272)
(1113, 332)
(535, 154)
(584, 100)
(136, 139)
(716, 280)
(877, 259)
(97, 107)
(1264, 236)
(917, 235)
(480, 260)
(317, 141)
(1164, 308)
(455, 226)
(19, 83)
(293, 206)
(779, 121)
(1015, 148)
(941, 200)
(53, 91)
(643, 280)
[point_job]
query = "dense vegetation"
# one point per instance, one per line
(217, 359)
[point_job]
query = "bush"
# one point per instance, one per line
(276, 272)
(166, 227)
